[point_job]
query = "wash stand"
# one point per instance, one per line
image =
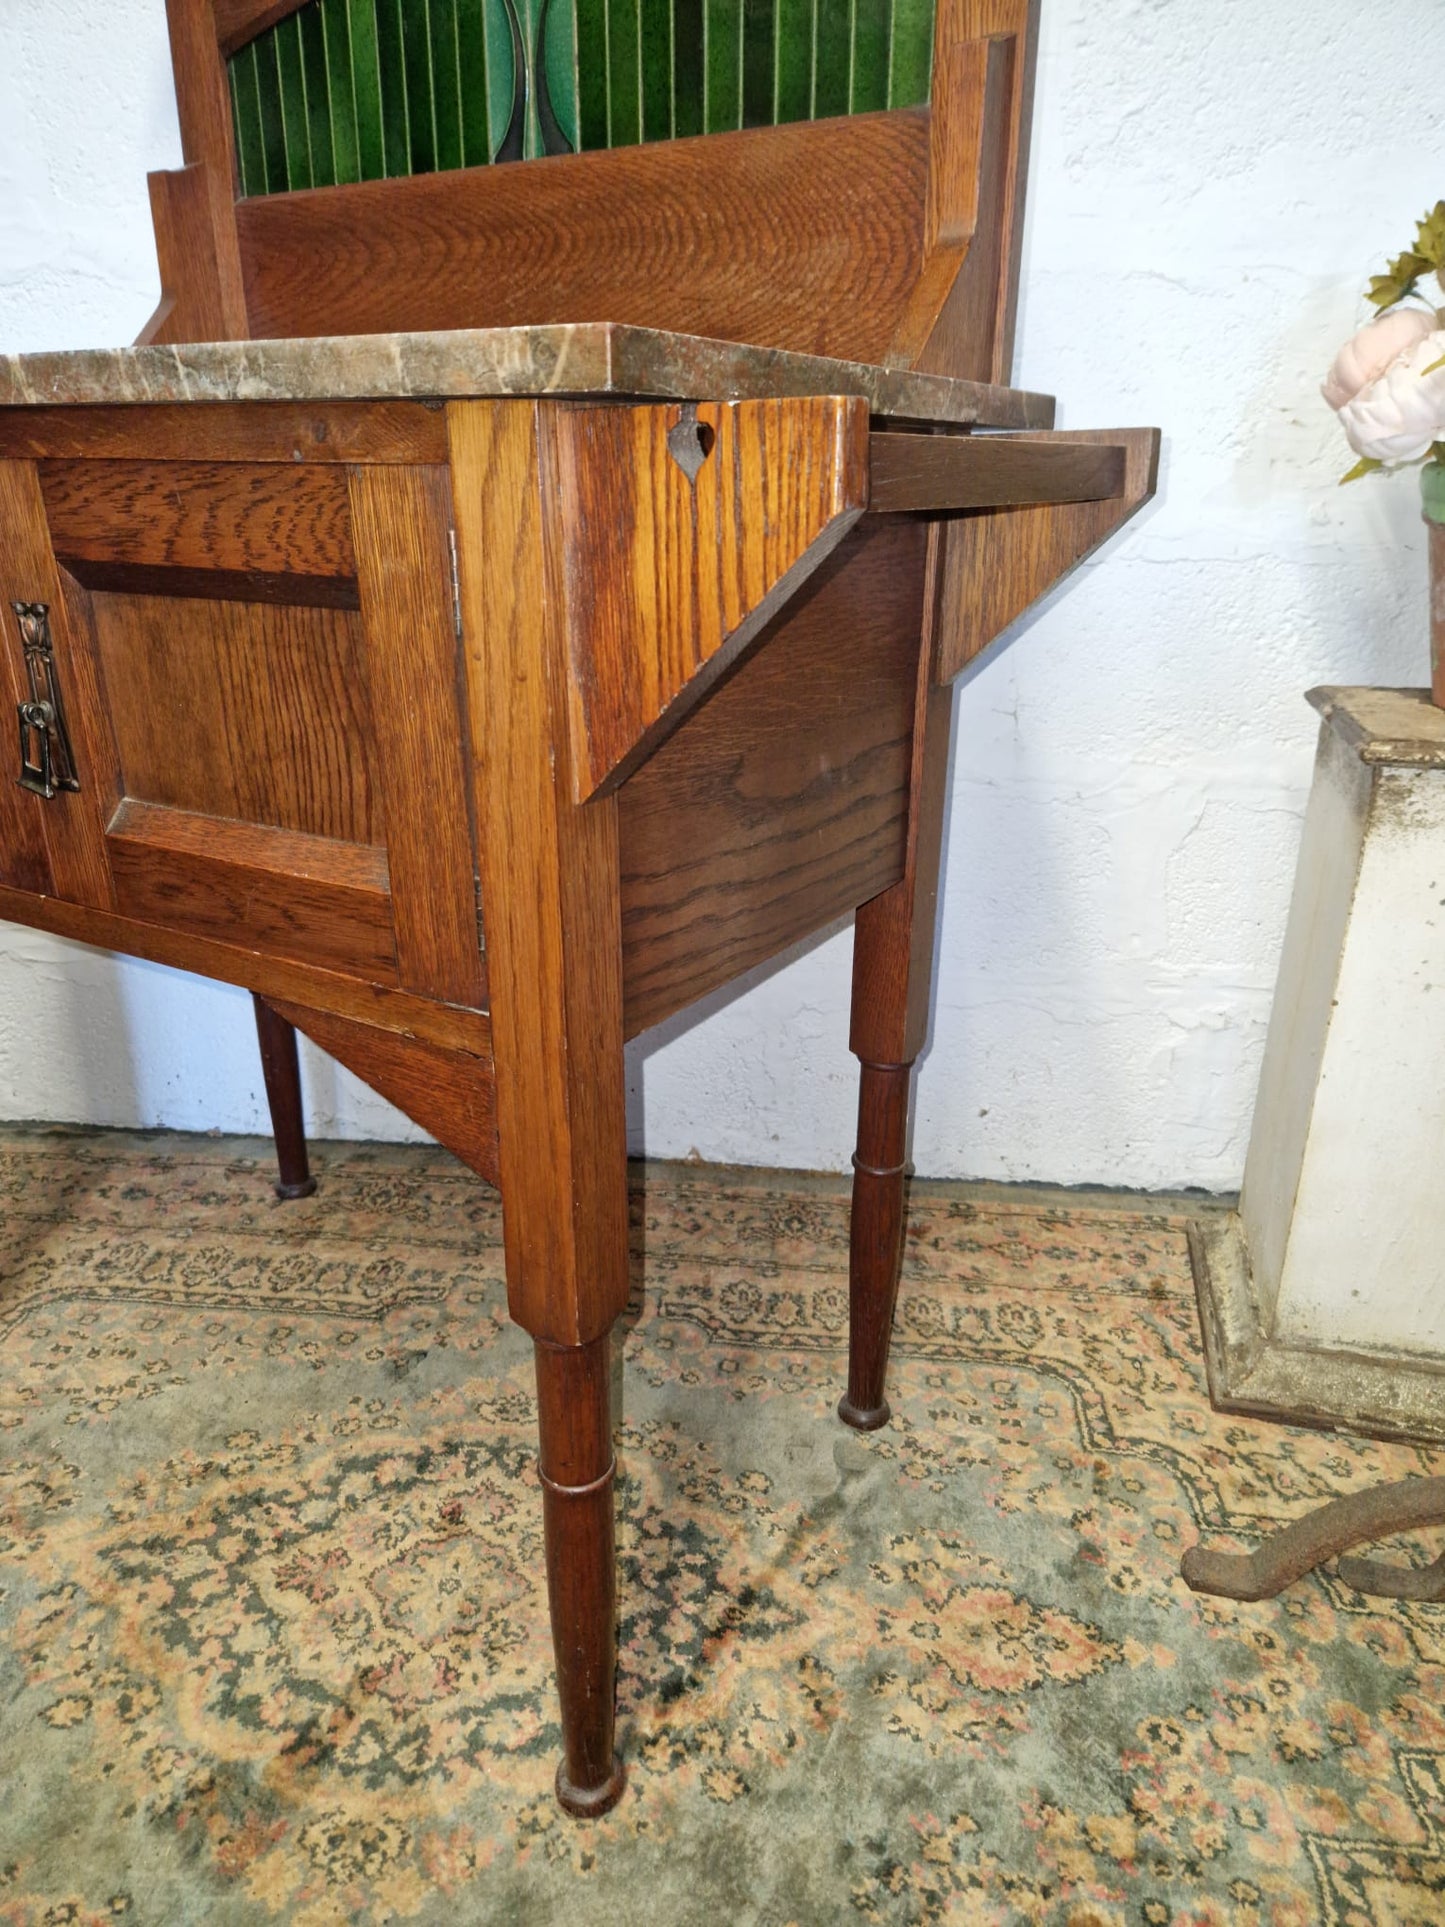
(533, 606)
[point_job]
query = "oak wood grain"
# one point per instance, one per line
(676, 560)
(964, 20)
(72, 822)
(193, 304)
(1001, 561)
(234, 961)
(726, 235)
(942, 473)
(203, 107)
(449, 1093)
(243, 710)
(404, 545)
(782, 802)
(550, 887)
(312, 898)
(237, 517)
(260, 431)
(977, 77)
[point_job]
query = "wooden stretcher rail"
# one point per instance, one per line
(933, 473)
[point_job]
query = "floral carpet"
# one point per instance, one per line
(273, 1642)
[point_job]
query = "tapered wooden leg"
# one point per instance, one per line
(576, 1465)
(875, 1254)
(892, 975)
(282, 1071)
(552, 904)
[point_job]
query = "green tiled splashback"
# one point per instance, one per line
(356, 90)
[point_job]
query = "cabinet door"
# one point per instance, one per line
(260, 675)
(51, 843)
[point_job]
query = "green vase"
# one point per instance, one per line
(1432, 491)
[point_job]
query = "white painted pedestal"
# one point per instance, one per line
(1323, 1299)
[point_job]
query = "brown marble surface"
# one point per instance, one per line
(1386, 725)
(585, 358)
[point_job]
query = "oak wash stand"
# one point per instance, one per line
(478, 655)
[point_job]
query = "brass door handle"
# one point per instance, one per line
(47, 762)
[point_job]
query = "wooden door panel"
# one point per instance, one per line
(247, 710)
(250, 701)
(300, 896)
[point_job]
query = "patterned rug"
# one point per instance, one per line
(273, 1642)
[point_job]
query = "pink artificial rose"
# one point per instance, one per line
(1379, 344)
(1400, 415)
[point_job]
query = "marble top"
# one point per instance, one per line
(579, 358)
(1399, 726)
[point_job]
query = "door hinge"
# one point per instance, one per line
(456, 587)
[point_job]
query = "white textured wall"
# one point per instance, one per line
(1212, 180)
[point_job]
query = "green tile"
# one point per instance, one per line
(557, 65)
(832, 57)
(912, 55)
(417, 76)
(759, 24)
(312, 35)
(687, 66)
(295, 131)
(872, 25)
(446, 83)
(391, 66)
(793, 87)
(656, 34)
(366, 89)
(624, 77)
(273, 130)
(340, 98)
(722, 56)
(250, 135)
(472, 83)
(348, 90)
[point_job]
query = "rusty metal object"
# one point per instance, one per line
(1403, 1506)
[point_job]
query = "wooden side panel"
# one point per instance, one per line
(686, 530)
(203, 105)
(307, 897)
(404, 536)
(975, 19)
(243, 710)
(960, 318)
(248, 431)
(781, 803)
(72, 822)
(449, 1093)
(192, 306)
(1000, 561)
(235, 517)
(805, 236)
(549, 882)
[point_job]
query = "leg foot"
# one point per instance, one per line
(282, 1071)
(875, 1245)
(577, 1470)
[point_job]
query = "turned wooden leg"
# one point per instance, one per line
(281, 1069)
(576, 1465)
(875, 1254)
(892, 976)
